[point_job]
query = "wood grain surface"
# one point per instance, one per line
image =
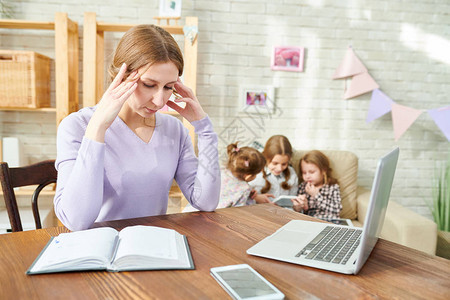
(217, 239)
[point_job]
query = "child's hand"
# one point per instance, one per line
(311, 189)
(297, 205)
(263, 198)
(300, 203)
(193, 111)
(253, 194)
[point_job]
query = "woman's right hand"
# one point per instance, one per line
(111, 103)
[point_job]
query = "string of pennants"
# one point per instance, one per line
(380, 104)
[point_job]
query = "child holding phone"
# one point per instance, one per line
(277, 178)
(242, 166)
(318, 193)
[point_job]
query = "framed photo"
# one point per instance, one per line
(287, 58)
(257, 99)
(170, 8)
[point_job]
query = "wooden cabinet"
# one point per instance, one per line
(93, 58)
(66, 61)
(66, 71)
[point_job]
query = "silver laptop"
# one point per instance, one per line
(332, 247)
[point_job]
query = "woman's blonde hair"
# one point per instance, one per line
(244, 161)
(322, 162)
(145, 45)
(277, 145)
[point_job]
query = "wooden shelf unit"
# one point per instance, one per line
(25, 24)
(93, 58)
(66, 73)
(40, 109)
(30, 190)
(66, 61)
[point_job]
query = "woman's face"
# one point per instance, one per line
(154, 89)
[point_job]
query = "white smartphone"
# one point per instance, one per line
(347, 222)
(243, 282)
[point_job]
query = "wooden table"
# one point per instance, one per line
(217, 239)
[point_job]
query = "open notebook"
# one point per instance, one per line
(334, 247)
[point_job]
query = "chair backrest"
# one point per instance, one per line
(41, 174)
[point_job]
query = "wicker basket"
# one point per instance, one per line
(24, 79)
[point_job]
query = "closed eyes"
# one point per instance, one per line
(154, 85)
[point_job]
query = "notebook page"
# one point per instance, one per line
(78, 245)
(147, 241)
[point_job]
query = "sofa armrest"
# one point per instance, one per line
(401, 225)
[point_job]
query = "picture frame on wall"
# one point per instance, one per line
(170, 8)
(257, 99)
(288, 58)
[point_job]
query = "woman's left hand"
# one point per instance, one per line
(193, 111)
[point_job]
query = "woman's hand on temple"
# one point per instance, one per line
(193, 111)
(111, 103)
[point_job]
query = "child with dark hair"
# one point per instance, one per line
(242, 166)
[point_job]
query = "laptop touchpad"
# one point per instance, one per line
(288, 236)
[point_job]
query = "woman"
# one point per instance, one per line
(118, 159)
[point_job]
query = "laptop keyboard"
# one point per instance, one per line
(332, 244)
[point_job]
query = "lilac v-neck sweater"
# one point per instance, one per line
(124, 177)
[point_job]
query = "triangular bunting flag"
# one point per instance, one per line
(441, 117)
(361, 84)
(402, 118)
(349, 66)
(380, 104)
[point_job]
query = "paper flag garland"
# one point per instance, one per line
(441, 117)
(402, 118)
(380, 104)
(350, 66)
(361, 84)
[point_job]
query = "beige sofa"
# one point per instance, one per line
(401, 225)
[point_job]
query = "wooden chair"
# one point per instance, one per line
(41, 174)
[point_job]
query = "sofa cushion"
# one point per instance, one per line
(345, 168)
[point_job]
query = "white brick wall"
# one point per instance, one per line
(404, 46)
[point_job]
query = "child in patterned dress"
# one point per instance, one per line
(318, 193)
(242, 166)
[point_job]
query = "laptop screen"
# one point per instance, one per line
(379, 198)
